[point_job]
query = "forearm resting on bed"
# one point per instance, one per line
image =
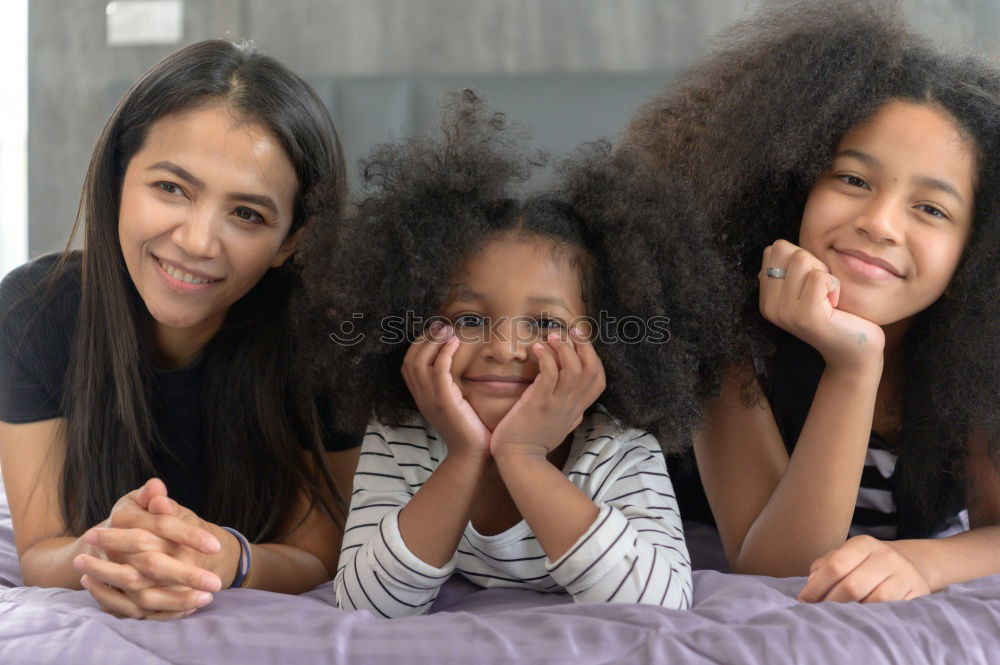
(809, 511)
(285, 569)
(49, 562)
(966, 556)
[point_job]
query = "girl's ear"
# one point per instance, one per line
(288, 248)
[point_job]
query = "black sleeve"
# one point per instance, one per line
(789, 383)
(334, 440)
(37, 317)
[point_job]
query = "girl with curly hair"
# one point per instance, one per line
(853, 173)
(488, 454)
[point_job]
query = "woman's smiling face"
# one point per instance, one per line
(510, 295)
(206, 208)
(891, 215)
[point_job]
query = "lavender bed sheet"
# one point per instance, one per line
(735, 619)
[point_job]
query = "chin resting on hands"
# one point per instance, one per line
(570, 379)
(804, 303)
(155, 559)
(866, 570)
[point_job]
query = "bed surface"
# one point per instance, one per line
(735, 619)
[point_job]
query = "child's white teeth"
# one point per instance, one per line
(182, 276)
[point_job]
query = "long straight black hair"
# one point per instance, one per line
(258, 416)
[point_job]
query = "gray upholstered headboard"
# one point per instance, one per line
(561, 110)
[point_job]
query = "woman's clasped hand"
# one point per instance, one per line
(155, 559)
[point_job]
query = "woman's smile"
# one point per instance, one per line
(184, 279)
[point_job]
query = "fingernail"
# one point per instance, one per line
(78, 562)
(436, 326)
(576, 332)
(85, 583)
(90, 537)
(212, 544)
(203, 599)
(447, 330)
(212, 582)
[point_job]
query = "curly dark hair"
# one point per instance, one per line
(752, 127)
(431, 203)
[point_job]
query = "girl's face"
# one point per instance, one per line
(206, 206)
(892, 214)
(512, 294)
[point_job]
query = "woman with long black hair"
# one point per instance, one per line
(160, 357)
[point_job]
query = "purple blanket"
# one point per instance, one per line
(736, 619)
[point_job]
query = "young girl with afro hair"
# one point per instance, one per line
(479, 329)
(851, 173)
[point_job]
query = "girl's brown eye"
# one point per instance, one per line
(854, 181)
(931, 210)
(549, 324)
(468, 321)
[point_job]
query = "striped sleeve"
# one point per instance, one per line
(376, 571)
(634, 552)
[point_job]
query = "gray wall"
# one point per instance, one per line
(73, 74)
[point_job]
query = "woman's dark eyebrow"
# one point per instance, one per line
(179, 172)
(183, 174)
(260, 200)
(922, 181)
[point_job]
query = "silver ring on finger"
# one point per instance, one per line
(776, 273)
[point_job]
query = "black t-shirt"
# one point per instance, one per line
(37, 323)
(789, 381)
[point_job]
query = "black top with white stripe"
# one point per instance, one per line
(789, 381)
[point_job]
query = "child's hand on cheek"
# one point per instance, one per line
(866, 570)
(427, 372)
(570, 379)
(804, 303)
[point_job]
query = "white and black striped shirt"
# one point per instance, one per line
(634, 552)
(875, 509)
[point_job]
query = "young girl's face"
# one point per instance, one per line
(892, 214)
(512, 294)
(206, 207)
